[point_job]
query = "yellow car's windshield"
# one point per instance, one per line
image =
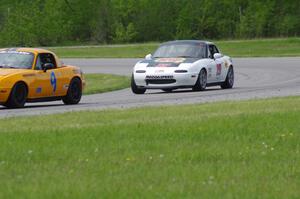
(15, 59)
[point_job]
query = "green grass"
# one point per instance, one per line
(100, 83)
(261, 48)
(236, 48)
(223, 150)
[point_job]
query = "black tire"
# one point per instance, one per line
(74, 92)
(135, 89)
(229, 79)
(167, 90)
(18, 96)
(201, 81)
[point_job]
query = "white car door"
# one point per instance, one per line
(218, 65)
(211, 71)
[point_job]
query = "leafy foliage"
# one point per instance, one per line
(52, 22)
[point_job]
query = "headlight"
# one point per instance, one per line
(140, 71)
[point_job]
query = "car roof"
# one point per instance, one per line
(186, 42)
(30, 50)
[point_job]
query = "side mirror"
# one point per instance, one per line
(47, 66)
(217, 55)
(148, 57)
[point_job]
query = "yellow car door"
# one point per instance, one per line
(48, 81)
(59, 82)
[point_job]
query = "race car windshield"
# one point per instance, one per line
(18, 60)
(181, 50)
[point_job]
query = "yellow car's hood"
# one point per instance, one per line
(10, 71)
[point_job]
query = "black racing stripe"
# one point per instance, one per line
(146, 61)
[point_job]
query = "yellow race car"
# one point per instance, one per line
(37, 75)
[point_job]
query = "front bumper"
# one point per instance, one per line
(163, 81)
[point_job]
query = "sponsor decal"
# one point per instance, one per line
(170, 60)
(163, 65)
(219, 69)
(159, 77)
(209, 72)
(38, 90)
(226, 64)
(66, 86)
(29, 75)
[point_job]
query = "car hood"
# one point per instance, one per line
(168, 62)
(8, 71)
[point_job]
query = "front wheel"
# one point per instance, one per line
(135, 89)
(201, 81)
(74, 92)
(229, 79)
(18, 96)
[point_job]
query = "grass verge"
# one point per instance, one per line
(246, 149)
(100, 83)
(289, 47)
(236, 48)
(106, 51)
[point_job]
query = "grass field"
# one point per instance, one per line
(100, 83)
(246, 149)
(106, 51)
(241, 48)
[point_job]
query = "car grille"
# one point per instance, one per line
(160, 81)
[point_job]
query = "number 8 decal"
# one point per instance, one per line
(53, 81)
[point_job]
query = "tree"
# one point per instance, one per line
(53, 22)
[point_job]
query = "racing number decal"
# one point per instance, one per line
(219, 69)
(53, 81)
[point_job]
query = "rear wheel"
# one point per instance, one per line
(201, 81)
(18, 96)
(135, 89)
(74, 92)
(229, 79)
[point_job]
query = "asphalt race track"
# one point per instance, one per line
(254, 78)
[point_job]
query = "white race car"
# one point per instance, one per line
(183, 64)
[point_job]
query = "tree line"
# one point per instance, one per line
(57, 22)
